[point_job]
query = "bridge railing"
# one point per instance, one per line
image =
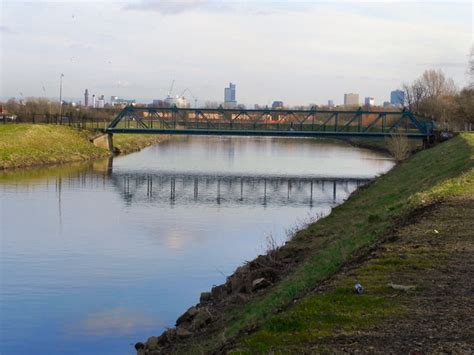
(343, 122)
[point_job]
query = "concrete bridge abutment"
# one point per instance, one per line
(105, 141)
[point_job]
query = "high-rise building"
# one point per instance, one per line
(330, 103)
(397, 98)
(101, 102)
(387, 104)
(276, 105)
(94, 104)
(351, 99)
(229, 96)
(369, 101)
(86, 98)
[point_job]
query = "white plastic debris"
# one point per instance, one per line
(359, 288)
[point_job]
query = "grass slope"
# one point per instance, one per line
(329, 243)
(27, 145)
(433, 254)
(127, 143)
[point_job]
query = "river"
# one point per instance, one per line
(97, 256)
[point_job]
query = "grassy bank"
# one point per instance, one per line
(128, 143)
(417, 296)
(27, 145)
(441, 172)
(370, 215)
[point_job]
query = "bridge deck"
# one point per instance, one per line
(264, 133)
(276, 123)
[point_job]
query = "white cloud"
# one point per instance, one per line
(168, 7)
(5, 29)
(113, 321)
(296, 56)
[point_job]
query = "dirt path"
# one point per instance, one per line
(437, 316)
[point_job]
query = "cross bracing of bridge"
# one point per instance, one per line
(266, 122)
(233, 189)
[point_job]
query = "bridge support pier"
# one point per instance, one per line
(104, 141)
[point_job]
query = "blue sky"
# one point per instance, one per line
(298, 52)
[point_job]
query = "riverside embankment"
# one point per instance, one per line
(407, 237)
(31, 145)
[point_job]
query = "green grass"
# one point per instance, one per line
(25, 145)
(127, 143)
(28, 145)
(338, 311)
(365, 217)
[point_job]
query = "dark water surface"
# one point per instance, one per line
(97, 256)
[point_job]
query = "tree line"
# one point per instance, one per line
(37, 108)
(435, 95)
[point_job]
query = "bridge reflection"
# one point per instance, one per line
(195, 188)
(177, 188)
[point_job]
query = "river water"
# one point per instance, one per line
(97, 256)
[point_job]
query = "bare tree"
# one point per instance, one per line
(432, 94)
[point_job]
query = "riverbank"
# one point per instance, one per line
(289, 299)
(28, 145)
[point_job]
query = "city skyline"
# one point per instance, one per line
(308, 63)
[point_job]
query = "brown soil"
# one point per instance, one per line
(439, 315)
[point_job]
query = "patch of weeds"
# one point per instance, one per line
(339, 311)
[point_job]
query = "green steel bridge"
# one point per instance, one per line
(268, 122)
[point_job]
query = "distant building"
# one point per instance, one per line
(387, 104)
(86, 98)
(369, 101)
(351, 99)
(277, 105)
(157, 103)
(94, 103)
(330, 103)
(101, 102)
(397, 98)
(229, 97)
(178, 101)
(116, 101)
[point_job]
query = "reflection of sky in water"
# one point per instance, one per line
(114, 321)
(88, 267)
(259, 156)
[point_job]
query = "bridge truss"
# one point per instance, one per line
(266, 122)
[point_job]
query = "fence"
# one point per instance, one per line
(67, 119)
(80, 120)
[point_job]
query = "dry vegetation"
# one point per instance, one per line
(399, 146)
(435, 95)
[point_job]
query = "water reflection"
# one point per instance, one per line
(230, 190)
(114, 321)
(194, 188)
(102, 254)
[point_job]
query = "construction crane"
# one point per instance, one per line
(171, 89)
(192, 95)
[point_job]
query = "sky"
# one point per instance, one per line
(299, 52)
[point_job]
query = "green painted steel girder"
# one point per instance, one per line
(269, 122)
